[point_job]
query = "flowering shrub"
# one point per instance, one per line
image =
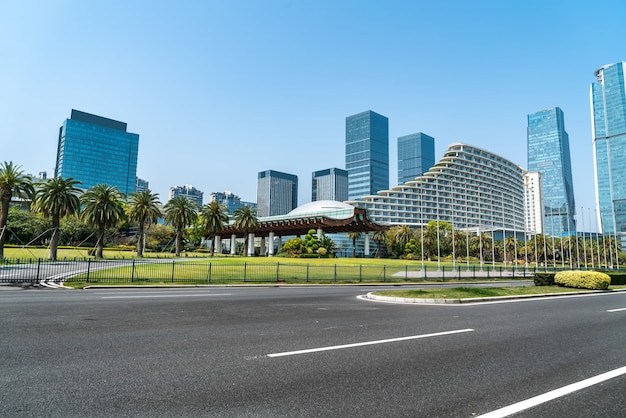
(583, 279)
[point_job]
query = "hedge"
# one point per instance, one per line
(583, 279)
(544, 279)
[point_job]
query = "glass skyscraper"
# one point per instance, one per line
(416, 154)
(329, 184)
(96, 150)
(367, 154)
(276, 193)
(548, 153)
(608, 102)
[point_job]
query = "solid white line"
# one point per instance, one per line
(557, 393)
(164, 296)
(617, 310)
(391, 340)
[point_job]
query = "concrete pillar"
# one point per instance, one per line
(250, 245)
(270, 244)
(366, 252)
(319, 233)
(280, 242)
(262, 249)
(233, 244)
(218, 244)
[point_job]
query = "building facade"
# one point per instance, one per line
(141, 185)
(416, 154)
(533, 203)
(189, 192)
(276, 193)
(470, 188)
(367, 154)
(96, 150)
(549, 154)
(329, 184)
(608, 119)
(230, 201)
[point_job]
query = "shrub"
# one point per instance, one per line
(583, 279)
(543, 279)
(616, 277)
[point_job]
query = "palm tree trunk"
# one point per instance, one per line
(4, 214)
(54, 241)
(179, 235)
(212, 245)
(140, 240)
(100, 245)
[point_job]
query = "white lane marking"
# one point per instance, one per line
(557, 393)
(391, 340)
(617, 310)
(165, 296)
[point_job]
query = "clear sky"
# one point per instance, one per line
(220, 90)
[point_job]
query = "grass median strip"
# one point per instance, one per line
(474, 292)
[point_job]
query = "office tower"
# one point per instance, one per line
(416, 154)
(548, 153)
(469, 187)
(533, 202)
(96, 150)
(276, 193)
(608, 101)
(231, 201)
(367, 154)
(141, 185)
(189, 192)
(330, 184)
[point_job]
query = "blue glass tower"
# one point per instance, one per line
(548, 153)
(276, 193)
(96, 150)
(416, 154)
(329, 184)
(608, 101)
(367, 154)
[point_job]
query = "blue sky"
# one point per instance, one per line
(220, 90)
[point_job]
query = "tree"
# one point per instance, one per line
(102, 208)
(246, 221)
(13, 182)
(213, 217)
(354, 235)
(379, 237)
(180, 212)
(143, 209)
(56, 198)
(26, 227)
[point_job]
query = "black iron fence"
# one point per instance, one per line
(148, 271)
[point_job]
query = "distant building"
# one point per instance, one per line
(533, 203)
(141, 185)
(548, 153)
(416, 154)
(187, 191)
(231, 201)
(608, 101)
(367, 154)
(330, 184)
(277, 193)
(96, 150)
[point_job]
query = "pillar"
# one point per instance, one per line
(262, 249)
(250, 245)
(270, 244)
(233, 244)
(366, 252)
(218, 244)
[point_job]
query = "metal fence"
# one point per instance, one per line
(147, 271)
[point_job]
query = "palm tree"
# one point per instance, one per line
(354, 235)
(102, 209)
(180, 212)
(246, 221)
(379, 237)
(56, 198)
(144, 209)
(13, 182)
(213, 218)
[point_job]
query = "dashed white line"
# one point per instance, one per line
(557, 393)
(391, 340)
(617, 310)
(165, 296)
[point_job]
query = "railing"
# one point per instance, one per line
(147, 271)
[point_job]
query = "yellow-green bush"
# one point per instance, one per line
(583, 279)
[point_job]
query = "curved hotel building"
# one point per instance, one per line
(469, 187)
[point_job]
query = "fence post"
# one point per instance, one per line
(132, 273)
(360, 273)
(277, 267)
(209, 272)
(244, 271)
(173, 266)
(307, 272)
(335, 272)
(38, 267)
(88, 269)
(384, 273)
(406, 272)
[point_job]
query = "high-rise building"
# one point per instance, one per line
(96, 150)
(367, 154)
(187, 191)
(533, 203)
(329, 184)
(548, 153)
(141, 185)
(276, 193)
(231, 201)
(416, 154)
(608, 101)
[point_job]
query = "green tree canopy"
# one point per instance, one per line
(144, 210)
(102, 208)
(180, 212)
(13, 182)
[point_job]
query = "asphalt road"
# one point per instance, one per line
(237, 352)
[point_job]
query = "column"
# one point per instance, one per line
(270, 244)
(218, 244)
(233, 244)
(366, 252)
(250, 245)
(262, 249)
